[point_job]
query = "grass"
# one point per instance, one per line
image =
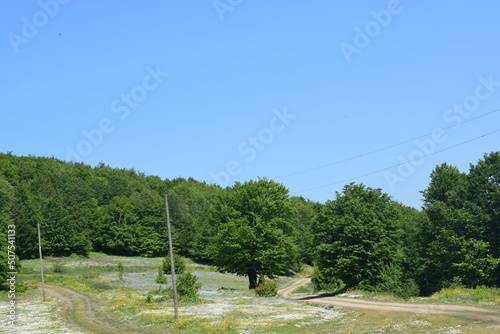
(479, 296)
(226, 305)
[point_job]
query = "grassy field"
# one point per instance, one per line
(225, 304)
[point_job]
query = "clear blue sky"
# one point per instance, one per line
(230, 90)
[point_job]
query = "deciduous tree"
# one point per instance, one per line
(252, 232)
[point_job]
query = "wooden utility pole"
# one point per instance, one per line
(170, 248)
(41, 261)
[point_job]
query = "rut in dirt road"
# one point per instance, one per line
(453, 310)
(79, 306)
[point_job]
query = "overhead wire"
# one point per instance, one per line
(380, 149)
(397, 165)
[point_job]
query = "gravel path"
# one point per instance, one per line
(453, 310)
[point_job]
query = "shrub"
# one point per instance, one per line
(267, 288)
(162, 279)
(324, 282)
(187, 285)
(390, 279)
(409, 289)
(21, 287)
(121, 270)
(58, 267)
(180, 266)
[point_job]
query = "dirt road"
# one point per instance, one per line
(453, 310)
(79, 312)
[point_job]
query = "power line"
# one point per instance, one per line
(381, 149)
(387, 168)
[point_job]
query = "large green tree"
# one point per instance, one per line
(460, 237)
(253, 235)
(356, 236)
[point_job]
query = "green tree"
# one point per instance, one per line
(484, 193)
(356, 235)
(253, 235)
(302, 223)
(456, 242)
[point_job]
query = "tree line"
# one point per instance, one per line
(360, 239)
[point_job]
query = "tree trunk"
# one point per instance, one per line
(252, 279)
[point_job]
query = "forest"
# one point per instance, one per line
(361, 239)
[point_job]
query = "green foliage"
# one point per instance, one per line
(160, 295)
(266, 288)
(252, 231)
(161, 278)
(187, 286)
(179, 265)
(459, 295)
(323, 280)
(117, 211)
(58, 267)
(305, 213)
(121, 270)
(391, 281)
(459, 239)
(409, 289)
(187, 290)
(356, 235)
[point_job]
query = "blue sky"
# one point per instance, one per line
(231, 90)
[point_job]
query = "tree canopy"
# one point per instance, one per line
(356, 235)
(252, 231)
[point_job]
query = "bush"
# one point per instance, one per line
(266, 288)
(187, 285)
(58, 267)
(324, 282)
(121, 270)
(409, 289)
(180, 266)
(162, 279)
(390, 279)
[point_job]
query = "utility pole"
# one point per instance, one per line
(170, 248)
(41, 261)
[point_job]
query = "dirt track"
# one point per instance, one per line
(453, 310)
(80, 306)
